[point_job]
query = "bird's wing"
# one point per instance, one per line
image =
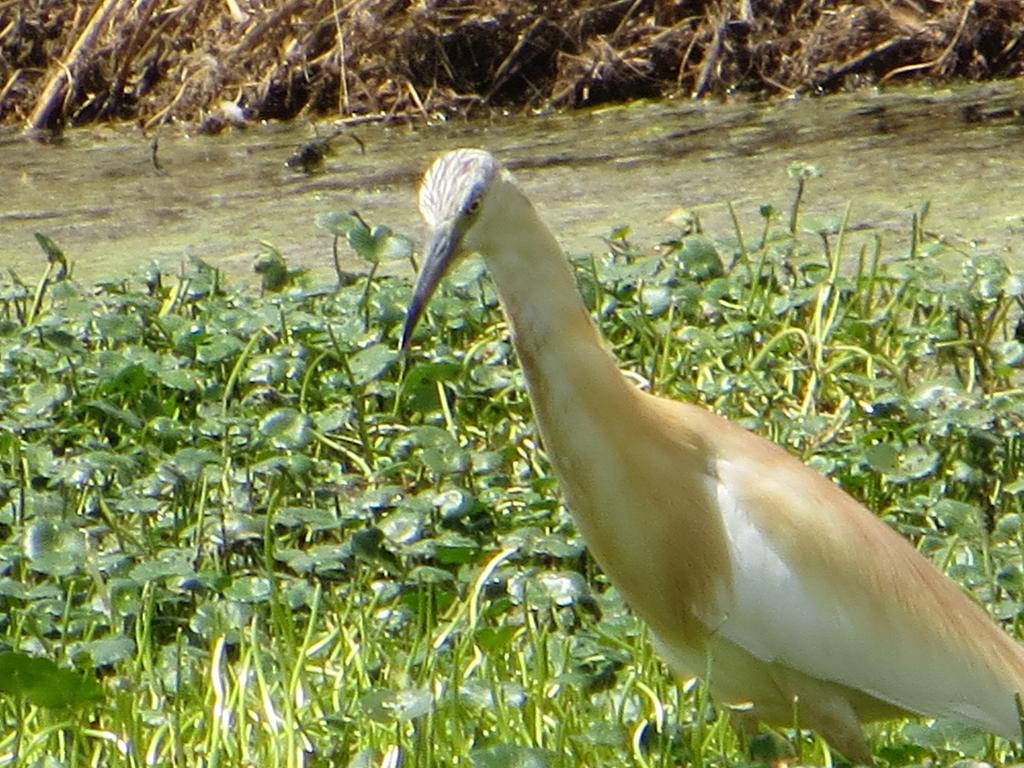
(823, 586)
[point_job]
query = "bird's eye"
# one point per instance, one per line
(474, 205)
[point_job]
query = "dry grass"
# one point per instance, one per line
(73, 61)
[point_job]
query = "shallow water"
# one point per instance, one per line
(98, 195)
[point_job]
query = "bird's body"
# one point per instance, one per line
(734, 552)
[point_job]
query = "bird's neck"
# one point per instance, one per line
(557, 342)
(576, 387)
(601, 435)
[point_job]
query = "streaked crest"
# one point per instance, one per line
(452, 182)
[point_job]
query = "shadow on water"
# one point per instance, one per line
(98, 194)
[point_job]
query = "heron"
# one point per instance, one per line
(741, 559)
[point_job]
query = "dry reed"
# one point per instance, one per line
(72, 62)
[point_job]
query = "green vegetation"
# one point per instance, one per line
(234, 532)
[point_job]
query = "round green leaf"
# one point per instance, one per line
(43, 683)
(287, 428)
(368, 364)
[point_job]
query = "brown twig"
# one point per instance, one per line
(344, 104)
(968, 9)
(145, 10)
(260, 30)
(861, 59)
(63, 73)
(9, 85)
(711, 57)
(508, 65)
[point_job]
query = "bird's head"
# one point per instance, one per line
(458, 197)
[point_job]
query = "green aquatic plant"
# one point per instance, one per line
(371, 244)
(237, 519)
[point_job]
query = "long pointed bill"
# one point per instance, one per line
(441, 250)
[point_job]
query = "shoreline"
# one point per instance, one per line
(69, 64)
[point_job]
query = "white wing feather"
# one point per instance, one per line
(781, 613)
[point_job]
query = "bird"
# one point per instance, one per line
(743, 561)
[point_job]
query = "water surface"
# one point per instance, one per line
(99, 196)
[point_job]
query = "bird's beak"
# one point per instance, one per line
(441, 252)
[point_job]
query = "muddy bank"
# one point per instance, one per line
(65, 63)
